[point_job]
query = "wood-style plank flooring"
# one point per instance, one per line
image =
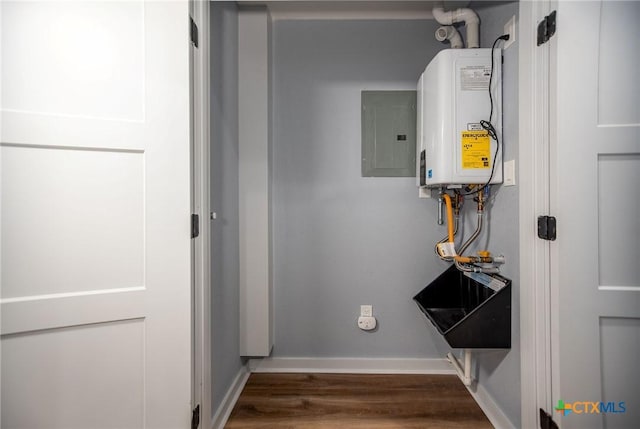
(355, 401)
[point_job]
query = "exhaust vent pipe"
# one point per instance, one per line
(468, 16)
(449, 33)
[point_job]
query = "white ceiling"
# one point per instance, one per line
(365, 9)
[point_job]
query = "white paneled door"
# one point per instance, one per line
(95, 205)
(595, 177)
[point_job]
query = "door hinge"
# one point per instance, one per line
(547, 227)
(547, 28)
(546, 422)
(193, 33)
(195, 225)
(195, 417)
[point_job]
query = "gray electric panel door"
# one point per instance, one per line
(388, 133)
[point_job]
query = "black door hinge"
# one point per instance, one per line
(195, 417)
(547, 227)
(195, 225)
(546, 422)
(547, 28)
(193, 33)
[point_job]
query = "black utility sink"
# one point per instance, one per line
(471, 310)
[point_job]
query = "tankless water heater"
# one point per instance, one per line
(453, 148)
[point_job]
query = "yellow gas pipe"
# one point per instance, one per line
(485, 258)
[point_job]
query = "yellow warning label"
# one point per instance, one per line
(476, 149)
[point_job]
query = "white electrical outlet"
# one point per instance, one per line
(510, 29)
(366, 310)
(510, 173)
(367, 323)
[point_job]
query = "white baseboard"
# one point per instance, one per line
(352, 365)
(222, 415)
(495, 415)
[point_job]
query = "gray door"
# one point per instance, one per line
(595, 194)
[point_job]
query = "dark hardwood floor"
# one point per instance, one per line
(355, 401)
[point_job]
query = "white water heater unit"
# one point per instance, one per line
(452, 146)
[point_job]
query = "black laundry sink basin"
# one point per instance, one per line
(471, 310)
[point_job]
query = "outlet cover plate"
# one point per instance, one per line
(366, 310)
(510, 29)
(510, 173)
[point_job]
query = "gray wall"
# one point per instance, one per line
(224, 199)
(341, 240)
(499, 371)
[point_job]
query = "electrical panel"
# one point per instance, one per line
(453, 147)
(388, 133)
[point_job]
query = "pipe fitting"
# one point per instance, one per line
(468, 16)
(450, 34)
(499, 260)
